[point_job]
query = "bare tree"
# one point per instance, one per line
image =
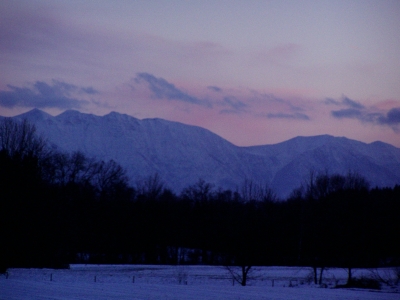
(63, 168)
(324, 186)
(20, 138)
(109, 175)
(240, 274)
(388, 276)
(321, 185)
(318, 278)
(251, 191)
(356, 182)
(150, 187)
(200, 191)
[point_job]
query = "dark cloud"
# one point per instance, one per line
(162, 89)
(331, 101)
(295, 116)
(363, 114)
(235, 106)
(391, 118)
(42, 95)
(345, 101)
(347, 113)
(234, 103)
(89, 90)
(351, 103)
(214, 88)
(353, 110)
(283, 108)
(292, 105)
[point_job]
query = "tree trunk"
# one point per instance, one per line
(320, 275)
(315, 275)
(349, 276)
(245, 271)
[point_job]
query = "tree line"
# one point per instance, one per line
(59, 208)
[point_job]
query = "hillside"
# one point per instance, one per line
(181, 154)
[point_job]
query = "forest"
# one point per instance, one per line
(60, 208)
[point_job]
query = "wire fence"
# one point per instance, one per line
(172, 275)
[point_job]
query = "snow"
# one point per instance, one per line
(182, 154)
(174, 282)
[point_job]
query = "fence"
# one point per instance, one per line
(184, 275)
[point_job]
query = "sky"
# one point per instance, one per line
(253, 72)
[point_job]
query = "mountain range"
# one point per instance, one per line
(182, 154)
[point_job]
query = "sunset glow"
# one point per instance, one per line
(254, 72)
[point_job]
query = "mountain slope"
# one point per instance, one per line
(378, 162)
(181, 154)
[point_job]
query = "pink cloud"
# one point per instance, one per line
(387, 104)
(250, 103)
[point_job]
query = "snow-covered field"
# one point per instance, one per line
(178, 282)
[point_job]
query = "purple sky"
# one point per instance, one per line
(254, 72)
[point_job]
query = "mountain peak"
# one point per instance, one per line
(75, 117)
(34, 115)
(118, 117)
(182, 154)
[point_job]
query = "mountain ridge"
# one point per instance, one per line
(182, 154)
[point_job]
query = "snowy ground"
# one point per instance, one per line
(86, 282)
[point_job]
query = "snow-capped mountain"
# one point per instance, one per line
(182, 154)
